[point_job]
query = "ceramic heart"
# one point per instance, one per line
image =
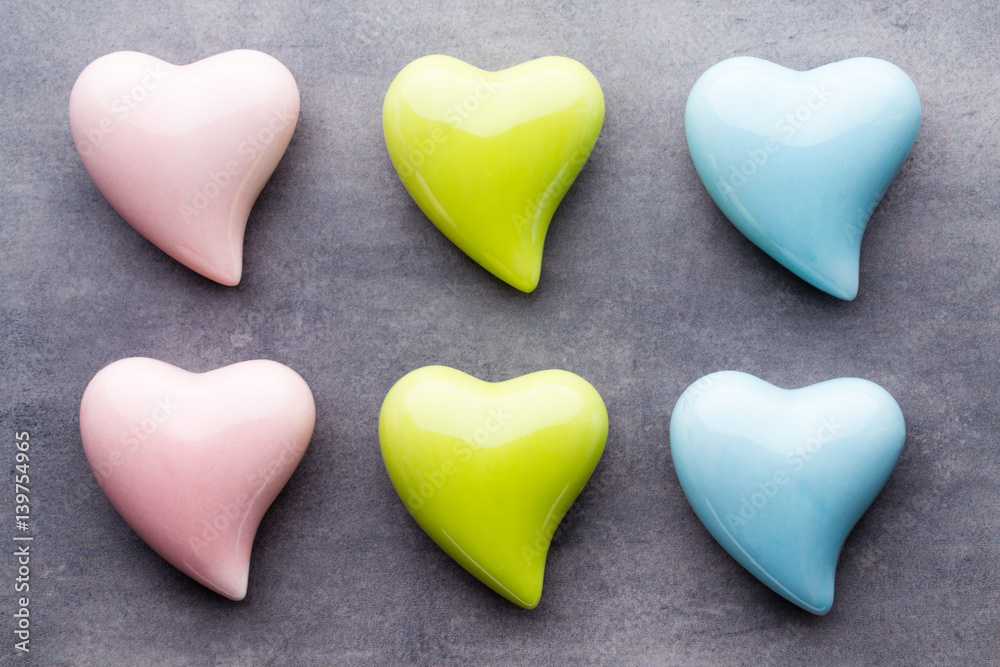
(181, 153)
(192, 461)
(798, 161)
(780, 477)
(488, 156)
(489, 470)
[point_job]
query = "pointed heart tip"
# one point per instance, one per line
(234, 583)
(845, 292)
(821, 607)
(225, 270)
(229, 276)
(814, 595)
(843, 284)
(234, 272)
(525, 282)
(231, 280)
(527, 288)
(824, 610)
(526, 599)
(523, 587)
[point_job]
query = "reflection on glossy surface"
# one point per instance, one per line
(780, 477)
(181, 153)
(798, 161)
(488, 156)
(489, 470)
(192, 461)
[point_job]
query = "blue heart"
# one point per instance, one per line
(780, 477)
(798, 161)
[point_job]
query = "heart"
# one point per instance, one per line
(489, 469)
(488, 156)
(181, 153)
(798, 161)
(779, 477)
(192, 461)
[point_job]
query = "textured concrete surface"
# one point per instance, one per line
(645, 288)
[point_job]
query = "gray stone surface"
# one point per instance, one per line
(645, 287)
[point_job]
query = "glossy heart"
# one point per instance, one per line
(488, 156)
(193, 460)
(798, 161)
(780, 477)
(488, 469)
(182, 152)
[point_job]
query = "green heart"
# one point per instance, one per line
(489, 469)
(488, 156)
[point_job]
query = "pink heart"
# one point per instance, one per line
(182, 152)
(193, 460)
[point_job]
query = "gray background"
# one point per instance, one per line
(645, 287)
